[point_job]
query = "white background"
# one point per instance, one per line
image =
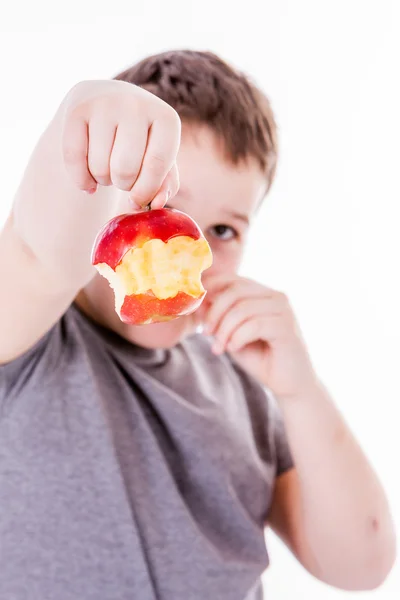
(328, 235)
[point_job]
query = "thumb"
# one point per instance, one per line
(168, 189)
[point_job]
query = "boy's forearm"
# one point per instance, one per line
(57, 221)
(345, 511)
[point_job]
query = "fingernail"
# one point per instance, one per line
(168, 194)
(91, 190)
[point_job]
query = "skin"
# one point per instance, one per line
(330, 510)
(111, 148)
(203, 194)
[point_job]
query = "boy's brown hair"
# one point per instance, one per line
(204, 89)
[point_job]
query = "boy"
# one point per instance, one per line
(145, 462)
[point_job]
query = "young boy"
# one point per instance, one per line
(146, 462)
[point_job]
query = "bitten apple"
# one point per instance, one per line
(153, 261)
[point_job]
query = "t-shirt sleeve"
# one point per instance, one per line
(267, 423)
(284, 459)
(32, 368)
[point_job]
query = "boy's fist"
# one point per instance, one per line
(115, 133)
(258, 327)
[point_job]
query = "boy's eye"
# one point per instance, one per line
(223, 232)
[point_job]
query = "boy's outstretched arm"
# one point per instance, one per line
(330, 509)
(105, 135)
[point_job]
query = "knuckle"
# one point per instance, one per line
(282, 297)
(104, 105)
(124, 172)
(79, 87)
(169, 119)
(173, 122)
(100, 174)
(173, 117)
(123, 183)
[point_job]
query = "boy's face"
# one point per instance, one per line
(222, 199)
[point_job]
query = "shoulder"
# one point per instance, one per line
(42, 361)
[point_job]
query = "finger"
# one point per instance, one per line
(75, 142)
(217, 283)
(226, 299)
(160, 155)
(267, 329)
(250, 308)
(168, 189)
(101, 141)
(127, 153)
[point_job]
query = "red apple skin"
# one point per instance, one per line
(142, 308)
(128, 231)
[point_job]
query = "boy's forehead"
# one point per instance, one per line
(206, 174)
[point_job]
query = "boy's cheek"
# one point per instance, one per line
(225, 262)
(200, 314)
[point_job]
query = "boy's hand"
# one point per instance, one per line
(117, 134)
(103, 133)
(257, 326)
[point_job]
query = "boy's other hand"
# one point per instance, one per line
(115, 133)
(257, 326)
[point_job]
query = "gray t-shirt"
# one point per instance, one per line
(133, 474)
